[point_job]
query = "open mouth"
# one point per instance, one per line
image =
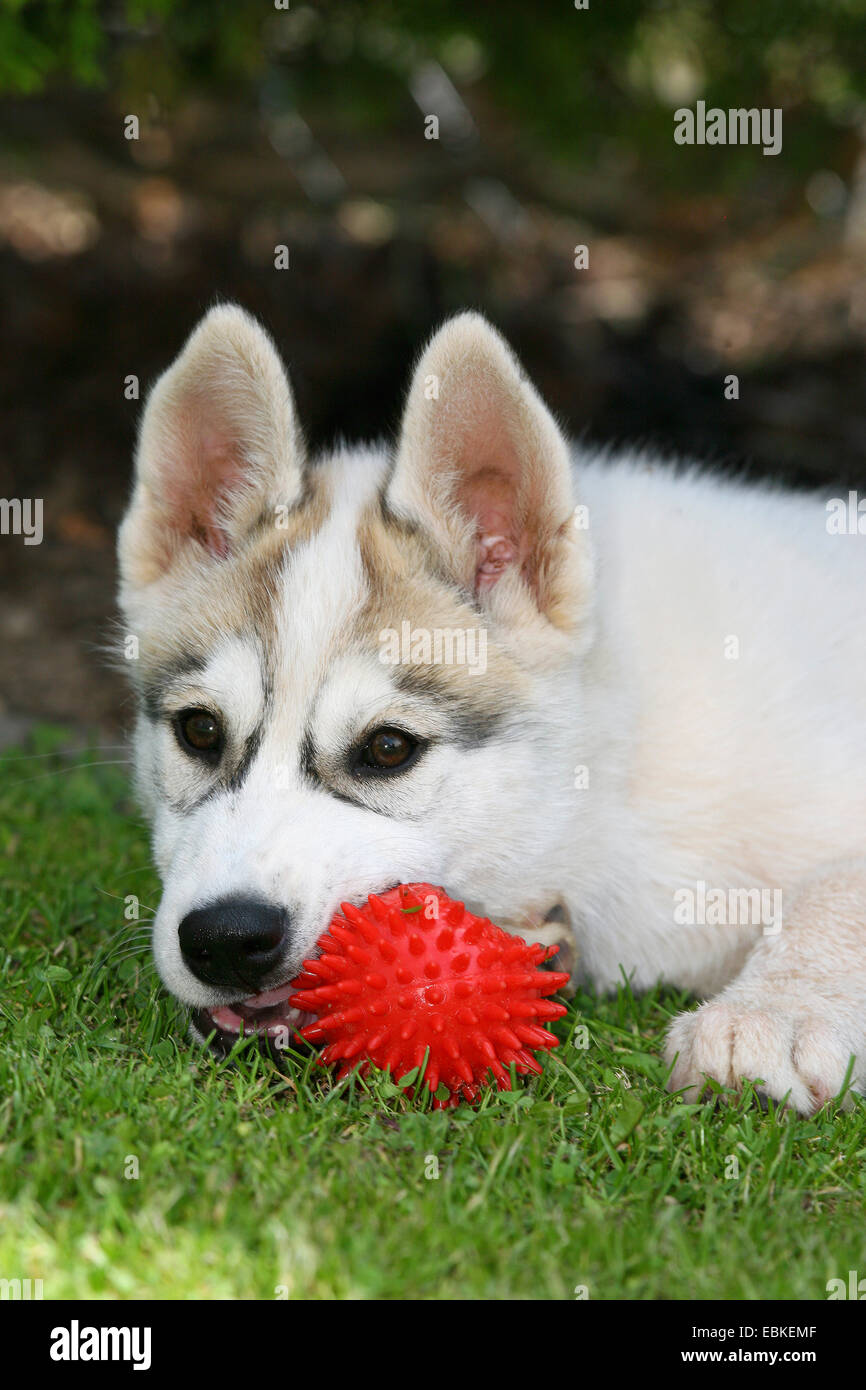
(267, 1015)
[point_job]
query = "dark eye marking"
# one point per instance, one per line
(200, 733)
(385, 752)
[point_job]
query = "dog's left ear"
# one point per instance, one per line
(219, 446)
(482, 466)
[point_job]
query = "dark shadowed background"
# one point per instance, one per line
(307, 127)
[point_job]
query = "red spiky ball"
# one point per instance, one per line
(413, 974)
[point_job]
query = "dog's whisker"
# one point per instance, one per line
(139, 952)
(132, 929)
(77, 767)
(62, 753)
(137, 939)
(121, 897)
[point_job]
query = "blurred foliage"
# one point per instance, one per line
(41, 41)
(575, 84)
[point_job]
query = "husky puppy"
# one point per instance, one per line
(601, 699)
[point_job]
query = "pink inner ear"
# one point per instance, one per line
(488, 493)
(495, 554)
(204, 481)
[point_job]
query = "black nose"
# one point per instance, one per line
(236, 942)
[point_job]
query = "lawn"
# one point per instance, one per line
(133, 1165)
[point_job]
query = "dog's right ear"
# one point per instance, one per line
(219, 443)
(483, 469)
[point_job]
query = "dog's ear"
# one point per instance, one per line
(219, 443)
(482, 466)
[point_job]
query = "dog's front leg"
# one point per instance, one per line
(550, 928)
(796, 1014)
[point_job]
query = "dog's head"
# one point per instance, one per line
(346, 667)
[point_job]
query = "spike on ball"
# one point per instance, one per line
(415, 973)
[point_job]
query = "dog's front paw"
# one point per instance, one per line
(802, 1060)
(554, 929)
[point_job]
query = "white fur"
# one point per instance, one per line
(744, 772)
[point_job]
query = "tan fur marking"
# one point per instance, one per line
(401, 570)
(203, 599)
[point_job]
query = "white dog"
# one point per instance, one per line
(597, 692)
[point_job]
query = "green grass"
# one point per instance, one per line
(251, 1178)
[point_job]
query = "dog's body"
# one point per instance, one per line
(671, 711)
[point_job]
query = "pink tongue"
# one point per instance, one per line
(255, 1012)
(227, 1018)
(270, 996)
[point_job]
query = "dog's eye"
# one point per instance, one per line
(387, 750)
(199, 731)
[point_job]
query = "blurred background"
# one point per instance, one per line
(308, 126)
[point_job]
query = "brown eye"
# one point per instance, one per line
(386, 750)
(199, 731)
